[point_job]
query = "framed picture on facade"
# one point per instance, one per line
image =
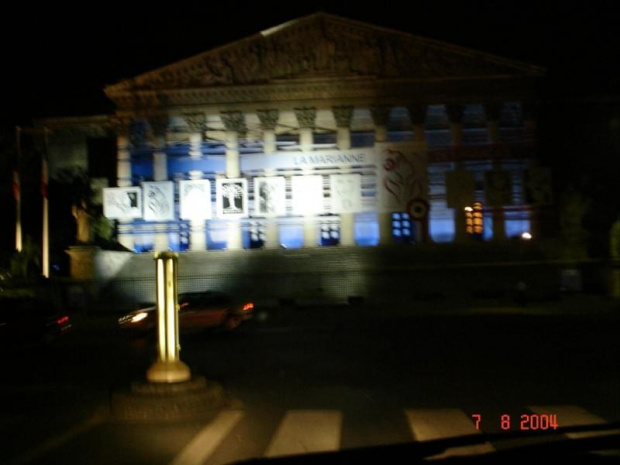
(122, 203)
(402, 172)
(498, 188)
(232, 198)
(158, 200)
(460, 189)
(270, 196)
(307, 193)
(346, 193)
(195, 199)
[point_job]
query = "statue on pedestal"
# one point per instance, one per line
(83, 219)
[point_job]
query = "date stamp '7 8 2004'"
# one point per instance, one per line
(526, 422)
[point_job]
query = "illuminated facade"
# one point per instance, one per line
(322, 132)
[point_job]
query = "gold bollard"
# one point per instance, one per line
(168, 368)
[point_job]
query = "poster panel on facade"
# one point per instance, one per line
(538, 190)
(122, 203)
(498, 188)
(346, 193)
(307, 194)
(158, 200)
(402, 177)
(460, 189)
(232, 198)
(270, 196)
(195, 199)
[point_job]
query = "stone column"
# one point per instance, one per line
(380, 117)
(272, 229)
(343, 116)
(121, 127)
(269, 121)
(306, 120)
(197, 228)
(455, 116)
(234, 123)
(529, 121)
(159, 126)
(492, 111)
(417, 114)
(196, 123)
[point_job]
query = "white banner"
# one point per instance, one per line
(122, 203)
(307, 195)
(158, 200)
(232, 198)
(402, 177)
(195, 199)
(313, 159)
(270, 196)
(346, 193)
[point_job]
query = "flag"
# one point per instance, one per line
(44, 179)
(16, 190)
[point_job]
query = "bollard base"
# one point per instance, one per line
(168, 372)
(146, 401)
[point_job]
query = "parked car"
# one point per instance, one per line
(30, 321)
(197, 310)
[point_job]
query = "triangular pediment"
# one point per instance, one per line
(323, 46)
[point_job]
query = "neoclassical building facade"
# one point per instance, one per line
(320, 132)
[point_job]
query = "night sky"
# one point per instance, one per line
(58, 59)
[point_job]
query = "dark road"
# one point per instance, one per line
(338, 378)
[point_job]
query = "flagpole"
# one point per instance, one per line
(17, 191)
(44, 181)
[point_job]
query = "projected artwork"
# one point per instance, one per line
(402, 172)
(158, 201)
(121, 203)
(498, 188)
(346, 193)
(460, 189)
(307, 194)
(270, 196)
(195, 199)
(232, 198)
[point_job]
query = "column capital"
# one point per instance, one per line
(492, 111)
(159, 124)
(343, 114)
(233, 121)
(196, 122)
(120, 125)
(417, 113)
(306, 117)
(268, 119)
(380, 115)
(455, 113)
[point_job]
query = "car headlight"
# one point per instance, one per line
(139, 317)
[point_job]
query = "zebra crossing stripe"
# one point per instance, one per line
(573, 415)
(206, 441)
(429, 424)
(306, 431)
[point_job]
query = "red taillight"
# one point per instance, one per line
(247, 307)
(62, 319)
